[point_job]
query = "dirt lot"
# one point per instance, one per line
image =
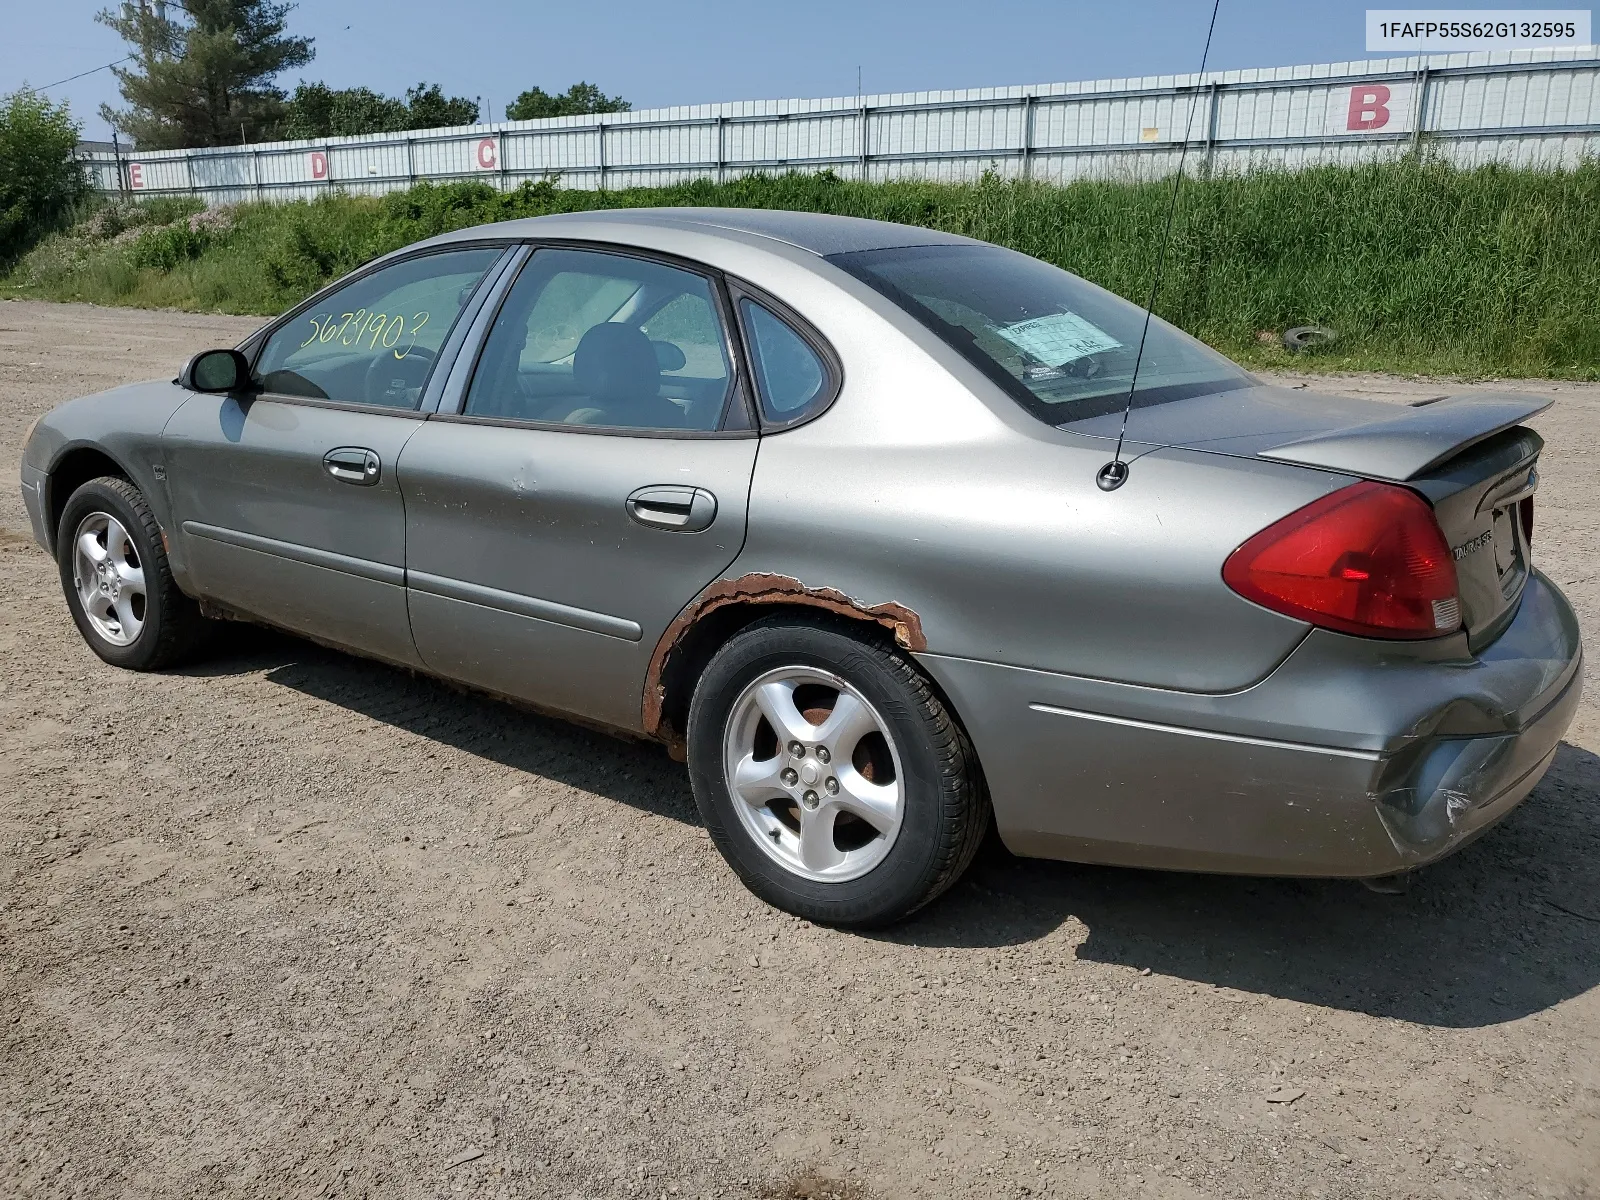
(290, 923)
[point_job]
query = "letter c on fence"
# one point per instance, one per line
(1369, 106)
(136, 176)
(488, 154)
(319, 164)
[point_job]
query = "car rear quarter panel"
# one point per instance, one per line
(914, 488)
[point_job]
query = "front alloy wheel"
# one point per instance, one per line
(117, 580)
(109, 579)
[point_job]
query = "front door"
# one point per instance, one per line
(287, 499)
(595, 479)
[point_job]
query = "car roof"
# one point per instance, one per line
(819, 233)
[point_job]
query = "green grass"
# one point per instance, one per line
(1420, 267)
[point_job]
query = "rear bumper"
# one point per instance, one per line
(1348, 760)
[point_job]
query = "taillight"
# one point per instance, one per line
(1525, 511)
(1368, 559)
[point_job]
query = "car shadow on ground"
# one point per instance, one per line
(635, 773)
(1507, 927)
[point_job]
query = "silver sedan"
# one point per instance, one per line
(836, 510)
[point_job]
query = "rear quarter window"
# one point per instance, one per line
(792, 378)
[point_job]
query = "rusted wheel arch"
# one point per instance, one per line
(748, 597)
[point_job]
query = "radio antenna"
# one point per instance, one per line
(1115, 473)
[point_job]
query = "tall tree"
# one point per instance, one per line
(204, 70)
(577, 100)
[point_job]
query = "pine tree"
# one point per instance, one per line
(204, 70)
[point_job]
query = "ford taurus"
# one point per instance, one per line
(823, 505)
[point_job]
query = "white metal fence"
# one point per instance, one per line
(1530, 108)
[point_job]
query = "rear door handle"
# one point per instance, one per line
(673, 507)
(353, 464)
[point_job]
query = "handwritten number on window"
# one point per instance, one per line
(380, 329)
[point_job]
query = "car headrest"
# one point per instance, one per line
(616, 363)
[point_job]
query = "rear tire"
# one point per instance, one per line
(880, 811)
(118, 584)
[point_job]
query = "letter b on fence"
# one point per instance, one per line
(1369, 106)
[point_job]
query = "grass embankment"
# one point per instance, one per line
(1419, 267)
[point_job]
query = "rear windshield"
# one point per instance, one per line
(1062, 346)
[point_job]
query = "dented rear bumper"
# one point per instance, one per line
(1353, 758)
(1440, 792)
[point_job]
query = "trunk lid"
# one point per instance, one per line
(1468, 455)
(1483, 498)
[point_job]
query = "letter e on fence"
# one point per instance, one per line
(1369, 106)
(136, 176)
(486, 154)
(318, 160)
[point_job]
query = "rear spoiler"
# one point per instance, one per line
(1407, 444)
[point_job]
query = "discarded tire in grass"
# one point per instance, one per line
(1308, 337)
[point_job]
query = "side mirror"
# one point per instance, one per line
(216, 371)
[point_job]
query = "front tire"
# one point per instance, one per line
(118, 584)
(831, 776)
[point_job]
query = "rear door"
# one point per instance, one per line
(287, 499)
(593, 479)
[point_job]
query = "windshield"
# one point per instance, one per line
(1060, 345)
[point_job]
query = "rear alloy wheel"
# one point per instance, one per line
(815, 774)
(830, 775)
(117, 582)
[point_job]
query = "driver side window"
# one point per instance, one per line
(374, 341)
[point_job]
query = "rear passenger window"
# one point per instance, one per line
(790, 375)
(590, 338)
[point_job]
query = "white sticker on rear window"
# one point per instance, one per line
(1058, 339)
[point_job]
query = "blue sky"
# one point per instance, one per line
(658, 53)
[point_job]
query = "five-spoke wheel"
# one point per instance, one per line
(117, 582)
(109, 579)
(816, 771)
(830, 774)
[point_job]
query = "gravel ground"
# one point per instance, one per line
(290, 923)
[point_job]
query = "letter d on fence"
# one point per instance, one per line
(319, 164)
(1369, 106)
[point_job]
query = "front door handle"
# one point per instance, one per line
(353, 464)
(673, 507)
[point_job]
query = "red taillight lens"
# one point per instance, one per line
(1368, 559)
